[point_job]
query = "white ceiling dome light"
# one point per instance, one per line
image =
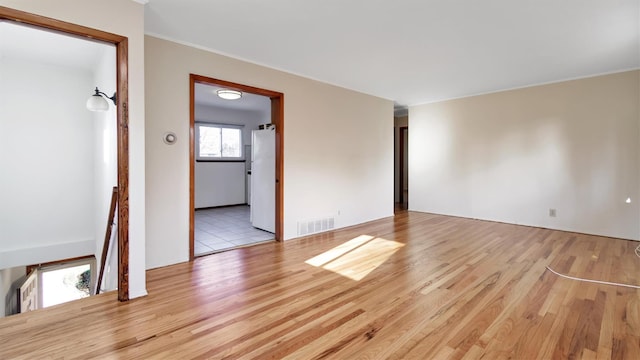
(228, 94)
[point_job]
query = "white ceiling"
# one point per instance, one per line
(17, 40)
(413, 51)
(206, 95)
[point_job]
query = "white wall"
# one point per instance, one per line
(47, 163)
(105, 163)
(338, 146)
(9, 280)
(219, 184)
(511, 156)
(224, 183)
(126, 18)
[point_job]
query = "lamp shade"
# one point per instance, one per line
(229, 94)
(97, 103)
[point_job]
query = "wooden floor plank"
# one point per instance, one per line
(427, 286)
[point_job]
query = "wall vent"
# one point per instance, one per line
(315, 226)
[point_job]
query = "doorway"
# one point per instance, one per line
(226, 132)
(274, 115)
(121, 45)
(403, 183)
(401, 159)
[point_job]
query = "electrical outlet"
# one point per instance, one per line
(552, 212)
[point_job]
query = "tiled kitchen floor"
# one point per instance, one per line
(224, 228)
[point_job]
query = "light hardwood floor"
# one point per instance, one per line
(416, 286)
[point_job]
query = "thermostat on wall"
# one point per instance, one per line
(169, 138)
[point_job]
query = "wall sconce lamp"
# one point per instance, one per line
(229, 94)
(97, 102)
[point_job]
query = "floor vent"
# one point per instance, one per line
(315, 226)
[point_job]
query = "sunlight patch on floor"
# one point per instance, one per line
(357, 257)
(338, 251)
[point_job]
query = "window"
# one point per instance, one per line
(218, 142)
(66, 282)
(57, 282)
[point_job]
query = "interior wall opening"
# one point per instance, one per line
(235, 167)
(401, 161)
(226, 132)
(63, 155)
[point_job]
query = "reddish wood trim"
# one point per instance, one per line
(121, 44)
(277, 118)
(122, 54)
(396, 157)
(33, 267)
(401, 132)
(235, 86)
(192, 157)
(57, 25)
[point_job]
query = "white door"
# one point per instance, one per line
(263, 179)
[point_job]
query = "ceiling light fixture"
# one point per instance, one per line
(229, 94)
(97, 102)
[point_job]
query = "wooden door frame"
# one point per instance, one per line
(401, 131)
(122, 110)
(277, 118)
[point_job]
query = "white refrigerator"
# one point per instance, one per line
(263, 179)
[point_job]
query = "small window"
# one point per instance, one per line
(57, 282)
(218, 142)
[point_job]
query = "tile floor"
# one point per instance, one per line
(225, 228)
